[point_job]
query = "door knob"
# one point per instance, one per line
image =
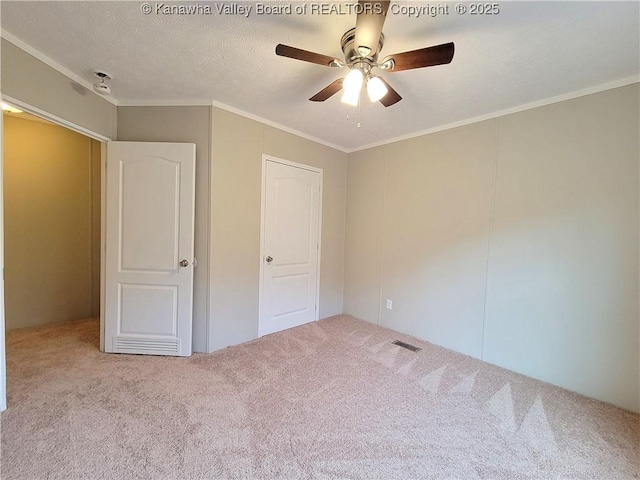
(269, 259)
(184, 263)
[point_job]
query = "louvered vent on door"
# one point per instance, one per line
(142, 345)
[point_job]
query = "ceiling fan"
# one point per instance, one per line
(361, 46)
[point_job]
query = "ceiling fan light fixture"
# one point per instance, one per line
(353, 81)
(352, 86)
(376, 89)
(361, 47)
(351, 97)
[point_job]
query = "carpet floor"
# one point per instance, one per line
(329, 400)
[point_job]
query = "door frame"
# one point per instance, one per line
(103, 162)
(3, 363)
(103, 190)
(270, 158)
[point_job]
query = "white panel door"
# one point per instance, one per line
(291, 234)
(149, 248)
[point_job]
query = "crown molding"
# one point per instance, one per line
(9, 37)
(501, 113)
(279, 126)
(228, 108)
(182, 102)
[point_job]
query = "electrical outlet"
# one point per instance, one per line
(389, 305)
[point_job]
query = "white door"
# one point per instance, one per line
(149, 247)
(290, 246)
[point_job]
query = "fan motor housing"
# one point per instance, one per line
(351, 53)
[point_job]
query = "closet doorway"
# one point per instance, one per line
(52, 194)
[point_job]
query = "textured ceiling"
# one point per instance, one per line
(528, 52)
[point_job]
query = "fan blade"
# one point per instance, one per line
(305, 55)
(424, 57)
(369, 25)
(328, 91)
(392, 97)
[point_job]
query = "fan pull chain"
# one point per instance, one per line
(359, 124)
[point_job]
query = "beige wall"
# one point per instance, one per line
(437, 206)
(48, 198)
(29, 80)
(514, 240)
(238, 144)
(562, 302)
(189, 124)
(363, 241)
